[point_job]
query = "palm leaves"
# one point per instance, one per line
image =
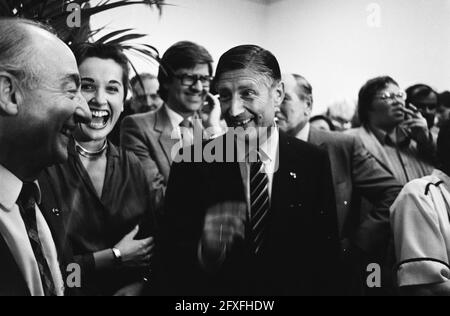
(54, 13)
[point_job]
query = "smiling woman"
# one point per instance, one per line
(103, 190)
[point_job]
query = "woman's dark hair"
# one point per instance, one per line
(105, 51)
(443, 148)
(249, 57)
(182, 55)
(417, 92)
(323, 118)
(444, 99)
(367, 95)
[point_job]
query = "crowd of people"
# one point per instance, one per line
(208, 180)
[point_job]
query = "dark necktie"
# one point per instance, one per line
(260, 205)
(27, 206)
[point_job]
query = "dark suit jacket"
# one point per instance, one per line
(12, 282)
(148, 135)
(357, 173)
(300, 257)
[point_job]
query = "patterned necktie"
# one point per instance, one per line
(187, 136)
(27, 205)
(260, 205)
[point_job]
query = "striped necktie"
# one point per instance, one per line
(260, 205)
(27, 206)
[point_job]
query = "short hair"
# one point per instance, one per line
(418, 91)
(305, 86)
(181, 55)
(443, 147)
(367, 94)
(141, 77)
(105, 51)
(16, 52)
(250, 57)
(444, 99)
(323, 118)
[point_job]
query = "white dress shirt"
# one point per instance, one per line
(269, 156)
(175, 120)
(304, 133)
(13, 230)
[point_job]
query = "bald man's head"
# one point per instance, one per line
(18, 46)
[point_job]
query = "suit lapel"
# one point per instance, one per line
(164, 127)
(286, 175)
(315, 138)
(374, 147)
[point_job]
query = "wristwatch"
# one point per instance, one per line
(117, 255)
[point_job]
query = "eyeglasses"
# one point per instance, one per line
(392, 96)
(190, 80)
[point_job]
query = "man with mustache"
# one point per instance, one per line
(40, 105)
(364, 233)
(264, 222)
(184, 77)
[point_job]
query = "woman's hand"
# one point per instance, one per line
(136, 253)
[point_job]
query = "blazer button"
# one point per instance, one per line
(345, 203)
(56, 212)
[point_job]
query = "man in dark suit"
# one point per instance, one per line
(40, 104)
(263, 220)
(184, 77)
(356, 173)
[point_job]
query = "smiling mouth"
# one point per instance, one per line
(241, 123)
(100, 119)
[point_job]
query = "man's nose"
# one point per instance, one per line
(82, 112)
(197, 86)
(236, 107)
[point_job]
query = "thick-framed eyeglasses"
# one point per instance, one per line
(392, 96)
(190, 80)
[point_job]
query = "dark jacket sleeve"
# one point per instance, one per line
(328, 246)
(181, 229)
(379, 187)
(134, 139)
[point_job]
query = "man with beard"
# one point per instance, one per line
(263, 222)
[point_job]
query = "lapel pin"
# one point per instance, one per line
(56, 212)
(293, 175)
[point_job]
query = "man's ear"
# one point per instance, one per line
(279, 93)
(8, 94)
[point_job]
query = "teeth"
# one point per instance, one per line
(96, 125)
(100, 114)
(244, 122)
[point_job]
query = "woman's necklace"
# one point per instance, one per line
(90, 154)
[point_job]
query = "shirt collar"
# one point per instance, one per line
(10, 188)
(174, 118)
(304, 133)
(399, 136)
(269, 149)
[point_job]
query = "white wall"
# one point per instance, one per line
(331, 43)
(328, 41)
(216, 24)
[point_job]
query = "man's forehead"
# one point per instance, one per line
(242, 78)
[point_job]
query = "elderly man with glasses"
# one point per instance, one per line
(397, 135)
(184, 77)
(395, 132)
